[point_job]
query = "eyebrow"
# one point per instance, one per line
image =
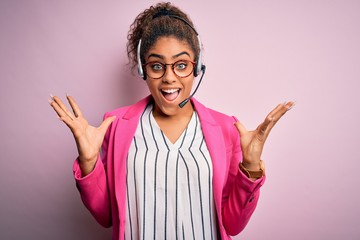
(162, 57)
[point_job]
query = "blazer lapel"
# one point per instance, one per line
(125, 130)
(217, 149)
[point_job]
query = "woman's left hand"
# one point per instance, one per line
(252, 142)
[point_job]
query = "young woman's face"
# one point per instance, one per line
(172, 88)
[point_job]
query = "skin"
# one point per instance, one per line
(170, 117)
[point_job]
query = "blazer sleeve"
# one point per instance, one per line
(93, 188)
(240, 194)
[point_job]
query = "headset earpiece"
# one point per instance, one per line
(139, 67)
(199, 64)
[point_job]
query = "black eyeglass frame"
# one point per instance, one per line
(172, 68)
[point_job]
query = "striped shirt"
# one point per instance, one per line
(169, 186)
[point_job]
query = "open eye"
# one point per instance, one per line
(181, 65)
(156, 66)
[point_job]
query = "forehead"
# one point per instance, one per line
(168, 47)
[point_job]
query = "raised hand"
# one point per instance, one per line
(88, 138)
(252, 142)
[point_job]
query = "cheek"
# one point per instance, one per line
(151, 86)
(188, 83)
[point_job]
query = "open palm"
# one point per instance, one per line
(252, 142)
(88, 138)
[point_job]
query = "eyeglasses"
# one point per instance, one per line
(181, 68)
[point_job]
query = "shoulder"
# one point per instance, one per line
(226, 122)
(118, 112)
(213, 117)
(221, 117)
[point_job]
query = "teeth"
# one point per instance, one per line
(170, 90)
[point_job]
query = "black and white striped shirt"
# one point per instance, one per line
(169, 186)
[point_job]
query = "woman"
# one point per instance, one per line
(170, 167)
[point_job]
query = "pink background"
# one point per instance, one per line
(258, 54)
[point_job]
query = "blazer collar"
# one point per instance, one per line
(136, 109)
(203, 112)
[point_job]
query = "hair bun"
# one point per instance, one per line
(163, 12)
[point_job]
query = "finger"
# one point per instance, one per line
(272, 118)
(65, 113)
(51, 102)
(264, 128)
(241, 129)
(106, 123)
(290, 105)
(280, 110)
(74, 106)
(269, 122)
(60, 112)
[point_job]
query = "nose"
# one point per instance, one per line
(169, 75)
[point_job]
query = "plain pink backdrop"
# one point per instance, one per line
(258, 54)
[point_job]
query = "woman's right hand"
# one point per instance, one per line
(88, 138)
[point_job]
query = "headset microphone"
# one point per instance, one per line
(182, 104)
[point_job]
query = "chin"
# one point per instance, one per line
(169, 110)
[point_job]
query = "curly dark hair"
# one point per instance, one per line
(155, 22)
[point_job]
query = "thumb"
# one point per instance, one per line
(106, 123)
(242, 130)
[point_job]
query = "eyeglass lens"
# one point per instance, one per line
(182, 68)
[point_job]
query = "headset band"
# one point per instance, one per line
(165, 12)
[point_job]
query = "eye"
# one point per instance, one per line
(156, 67)
(181, 65)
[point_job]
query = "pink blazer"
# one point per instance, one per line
(103, 191)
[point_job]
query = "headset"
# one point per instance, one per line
(199, 66)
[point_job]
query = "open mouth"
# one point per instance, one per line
(170, 94)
